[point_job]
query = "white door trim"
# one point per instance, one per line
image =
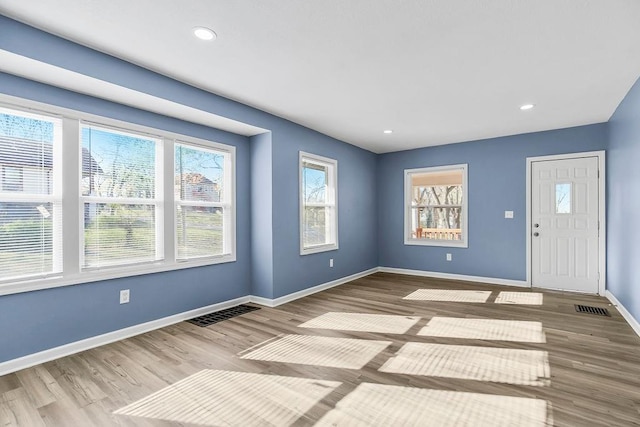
(602, 235)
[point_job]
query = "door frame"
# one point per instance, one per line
(602, 235)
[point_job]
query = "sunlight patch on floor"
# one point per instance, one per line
(449, 295)
(484, 329)
(361, 322)
(525, 298)
(500, 365)
(388, 405)
(332, 352)
(214, 398)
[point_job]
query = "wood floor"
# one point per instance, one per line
(594, 360)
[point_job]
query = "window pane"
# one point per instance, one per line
(563, 198)
(199, 174)
(437, 204)
(314, 182)
(118, 234)
(26, 238)
(30, 219)
(116, 164)
(314, 226)
(200, 231)
(318, 202)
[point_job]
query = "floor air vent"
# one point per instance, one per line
(592, 310)
(219, 316)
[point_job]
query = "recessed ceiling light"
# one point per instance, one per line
(387, 131)
(204, 33)
(527, 106)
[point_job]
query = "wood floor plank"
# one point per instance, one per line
(36, 382)
(594, 360)
(19, 409)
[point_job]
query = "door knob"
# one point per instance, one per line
(536, 234)
(536, 225)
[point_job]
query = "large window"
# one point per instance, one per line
(119, 196)
(203, 190)
(318, 206)
(116, 199)
(436, 206)
(30, 195)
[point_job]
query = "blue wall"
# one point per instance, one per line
(497, 182)
(623, 203)
(64, 312)
(357, 215)
(35, 321)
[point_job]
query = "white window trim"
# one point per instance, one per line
(55, 197)
(408, 239)
(228, 204)
(157, 201)
(332, 196)
(71, 157)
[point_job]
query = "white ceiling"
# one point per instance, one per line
(434, 71)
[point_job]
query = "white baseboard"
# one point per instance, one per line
(93, 342)
(306, 292)
(625, 313)
(438, 275)
(89, 343)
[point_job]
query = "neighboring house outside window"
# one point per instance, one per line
(197, 187)
(27, 166)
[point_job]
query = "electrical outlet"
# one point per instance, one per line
(508, 214)
(124, 296)
(331, 262)
(448, 257)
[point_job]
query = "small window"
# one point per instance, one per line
(318, 204)
(436, 206)
(203, 202)
(563, 198)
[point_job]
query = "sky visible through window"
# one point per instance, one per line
(314, 183)
(13, 126)
(121, 165)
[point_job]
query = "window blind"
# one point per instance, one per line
(30, 195)
(202, 201)
(119, 197)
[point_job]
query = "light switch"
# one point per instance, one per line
(508, 214)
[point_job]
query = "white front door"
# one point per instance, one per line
(564, 224)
